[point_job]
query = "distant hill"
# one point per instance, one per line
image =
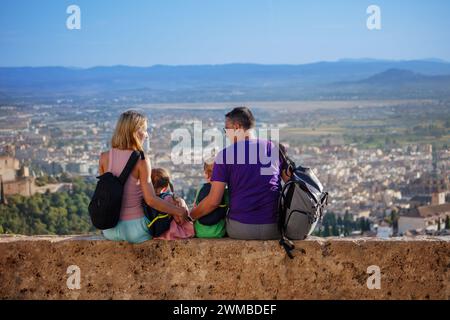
(394, 76)
(398, 76)
(229, 82)
(400, 84)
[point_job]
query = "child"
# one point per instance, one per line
(213, 224)
(164, 189)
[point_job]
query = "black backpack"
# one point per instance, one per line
(216, 215)
(105, 205)
(300, 205)
(157, 222)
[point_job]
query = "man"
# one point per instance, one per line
(250, 167)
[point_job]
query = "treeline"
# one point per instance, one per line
(49, 213)
(47, 179)
(332, 226)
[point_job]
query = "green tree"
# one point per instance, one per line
(57, 213)
(348, 223)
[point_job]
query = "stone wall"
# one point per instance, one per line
(36, 268)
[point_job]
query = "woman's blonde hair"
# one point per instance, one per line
(125, 135)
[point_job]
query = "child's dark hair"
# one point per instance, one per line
(161, 179)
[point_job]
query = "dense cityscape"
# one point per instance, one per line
(385, 164)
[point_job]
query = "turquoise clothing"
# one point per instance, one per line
(133, 231)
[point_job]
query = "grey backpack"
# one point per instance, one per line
(300, 205)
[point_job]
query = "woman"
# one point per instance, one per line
(129, 135)
(253, 186)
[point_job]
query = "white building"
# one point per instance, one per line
(424, 218)
(384, 232)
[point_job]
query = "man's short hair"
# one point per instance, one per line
(242, 116)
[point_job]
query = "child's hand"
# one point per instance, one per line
(179, 220)
(183, 212)
(181, 203)
(182, 217)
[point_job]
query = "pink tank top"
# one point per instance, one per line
(132, 193)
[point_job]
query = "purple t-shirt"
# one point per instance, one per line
(251, 168)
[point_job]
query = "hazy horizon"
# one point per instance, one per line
(356, 60)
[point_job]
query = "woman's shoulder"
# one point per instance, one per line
(104, 155)
(104, 158)
(115, 150)
(143, 163)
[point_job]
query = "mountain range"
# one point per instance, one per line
(343, 79)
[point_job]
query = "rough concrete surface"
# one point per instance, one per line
(36, 268)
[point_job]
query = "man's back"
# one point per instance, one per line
(251, 168)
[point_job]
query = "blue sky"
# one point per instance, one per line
(179, 32)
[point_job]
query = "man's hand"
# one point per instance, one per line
(211, 202)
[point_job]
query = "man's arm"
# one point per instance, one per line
(211, 202)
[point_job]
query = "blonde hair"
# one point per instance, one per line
(125, 135)
(208, 166)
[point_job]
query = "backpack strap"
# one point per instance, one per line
(287, 245)
(290, 163)
(283, 156)
(284, 242)
(166, 194)
(197, 193)
(134, 157)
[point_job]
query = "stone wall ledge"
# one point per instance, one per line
(197, 269)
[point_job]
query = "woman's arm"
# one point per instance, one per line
(101, 170)
(211, 202)
(150, 197)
